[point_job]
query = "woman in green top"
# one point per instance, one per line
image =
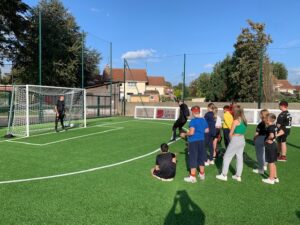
(236, 145)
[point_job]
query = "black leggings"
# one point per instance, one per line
(61, 119)
(178, 124)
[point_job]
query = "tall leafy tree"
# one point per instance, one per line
(13, 27)
(200, 87)
(219, 80)
(61, 49)
(249, 49)
(279, 70)
(178, 90)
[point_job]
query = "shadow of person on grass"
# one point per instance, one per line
(292, 145)
(250, 141)
(298, 214)
(219, 163)
(188, 214)
(249, 161)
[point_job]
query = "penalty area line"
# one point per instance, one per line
(66, 139)
(83, 171)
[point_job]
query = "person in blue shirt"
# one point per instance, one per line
(197, 155)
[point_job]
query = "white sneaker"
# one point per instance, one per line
(202, 176)
(268, 181)
(221, 177)
(237, 178)
(212, 162)
(190, 179)
(206, 163)
(167, 180)
(276, 180)
(257, 171)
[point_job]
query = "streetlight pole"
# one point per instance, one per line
(183, 79)
(40, 47)
(260, 78)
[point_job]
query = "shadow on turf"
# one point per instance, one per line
(250, 162)
(190, 213)
(298, 214)
(219, 162)
(292, 145)
(249, 141)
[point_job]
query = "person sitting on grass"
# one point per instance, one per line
(196, 151)
(165, 168)
(271, 148)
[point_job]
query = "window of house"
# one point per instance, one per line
(131, 84)
(151, 97)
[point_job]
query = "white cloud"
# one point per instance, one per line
(142, 53)
(192, 75)
(96, 10)
(295, 71)
(290, 44)
(208, 66)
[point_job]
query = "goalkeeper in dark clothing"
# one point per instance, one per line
(60, 112)
(179, 123)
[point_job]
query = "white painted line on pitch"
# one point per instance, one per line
(83, 171)
(85, 135)
(66, 139)
(24, 143)
(97, 125)
(147, 121)
(75, 129)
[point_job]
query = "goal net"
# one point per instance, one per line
(32, 108)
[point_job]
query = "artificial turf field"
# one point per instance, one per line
(114, 186)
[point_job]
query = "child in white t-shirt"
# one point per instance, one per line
(218, 136)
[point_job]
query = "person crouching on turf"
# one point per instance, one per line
(165, 166)
(271, 148)
(196, 151)
(180, 122)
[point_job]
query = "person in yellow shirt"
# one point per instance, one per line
(227, 122)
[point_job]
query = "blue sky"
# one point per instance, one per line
(160, 28)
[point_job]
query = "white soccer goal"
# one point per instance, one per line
(32, 108)
(172, 113)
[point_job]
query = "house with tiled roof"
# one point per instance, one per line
(134, 82)
(156, 83)
(137, 84)
(297, 88)
(283, 86)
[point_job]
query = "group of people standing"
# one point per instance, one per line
(206, 131)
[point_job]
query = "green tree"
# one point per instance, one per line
(13, 26)
(220, 77)
(246, 61)
(200, 87)
(61, 49)
(178, 91)
(279, 70)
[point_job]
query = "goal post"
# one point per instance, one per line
(32, 108)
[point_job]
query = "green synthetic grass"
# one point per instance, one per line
(126, 193)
